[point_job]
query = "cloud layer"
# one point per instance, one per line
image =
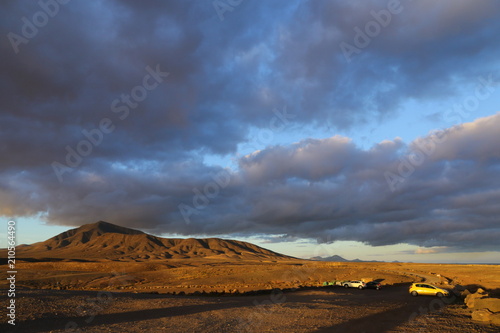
(87, 72)
(437, 190)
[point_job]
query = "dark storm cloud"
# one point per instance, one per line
(224, 78)
(331, 190)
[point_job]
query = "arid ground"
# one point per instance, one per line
(211, 295)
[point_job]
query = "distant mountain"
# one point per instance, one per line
(102, 240)
(337, 258)
(332, 258)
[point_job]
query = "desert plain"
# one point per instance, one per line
(103, 278)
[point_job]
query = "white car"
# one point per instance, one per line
(354, 284)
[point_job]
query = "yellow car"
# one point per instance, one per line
(427, 289)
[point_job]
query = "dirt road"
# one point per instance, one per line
(315, 310)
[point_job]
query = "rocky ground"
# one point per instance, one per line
(331, 309)
(236, 296)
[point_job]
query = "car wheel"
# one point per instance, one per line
(439, 295)
(360, 287)
(378, 288)
(414, 293)
(346, 286)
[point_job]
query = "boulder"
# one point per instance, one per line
(492, 304)
(465, 293)
(481, 291)
(495, 318)
(483, 315)
(470, 299)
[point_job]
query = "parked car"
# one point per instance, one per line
(427, 289)
(373, 285)
(355, 284)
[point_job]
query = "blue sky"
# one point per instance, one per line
(366, 129)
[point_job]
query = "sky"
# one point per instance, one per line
(366, 129)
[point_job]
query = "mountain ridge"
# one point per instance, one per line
(337, 258)
(104, 240)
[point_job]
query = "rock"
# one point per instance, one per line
(470, 300)
(492, 304)
(483, 315)
(495, 318)
(481, 291)
(465, 293)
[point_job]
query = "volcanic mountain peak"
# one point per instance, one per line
(88, 232)
(105, 227)
(109, 241)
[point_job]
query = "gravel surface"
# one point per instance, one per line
(391, 309)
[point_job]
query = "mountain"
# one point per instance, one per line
(104, 240)
(332, 258)
(337, 258)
